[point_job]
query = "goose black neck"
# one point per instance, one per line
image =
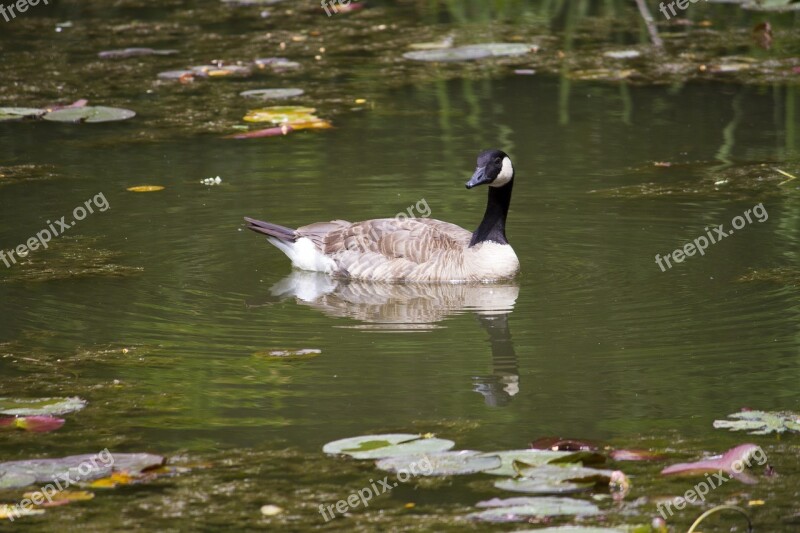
(493, 225)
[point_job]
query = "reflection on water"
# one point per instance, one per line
(419, 306)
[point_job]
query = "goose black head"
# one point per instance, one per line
(494, 168)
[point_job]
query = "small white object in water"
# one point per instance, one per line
(211, 181)
(623, 54)
(271, 510)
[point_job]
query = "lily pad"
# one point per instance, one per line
(19, 113)
(16, 474)
(180, 75)
(40, 406)
(272, 94)
(145, 188)
(34, 424)
(525, 458)
(281, 114)
(470, 52)
(442, 463)
(733, 462)
(276, 63)
(761, 422)
(518, 509)
(276, 131)
(134, 52)
(622, 54)
(552, 479)
(90, 114)
(8, 511)
(388, 445)
(222, 71)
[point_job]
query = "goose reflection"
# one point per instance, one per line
(396, 307)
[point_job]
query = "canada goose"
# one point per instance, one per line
(414, 249)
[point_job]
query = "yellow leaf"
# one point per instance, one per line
(145, 188)
(314, 124)
(117, 478)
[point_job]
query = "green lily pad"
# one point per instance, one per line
(518, 509)
(389, 445)
(90, 114)
(19, 113)
(512, 460)
(470, 52)
(40, 406)
(761, 422)
(17, 474)
(272, 94)
(552, 479)
(441, 464)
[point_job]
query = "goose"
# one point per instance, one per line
(413, 250)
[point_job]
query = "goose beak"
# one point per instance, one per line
(478, 178)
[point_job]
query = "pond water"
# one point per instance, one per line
(161, 311)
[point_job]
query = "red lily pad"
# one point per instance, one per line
(733, 462)
(35, 424)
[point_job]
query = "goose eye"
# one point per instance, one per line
(497, 161)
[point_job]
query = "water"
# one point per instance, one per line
(592, 340)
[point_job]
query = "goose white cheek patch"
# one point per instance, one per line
(506, 173)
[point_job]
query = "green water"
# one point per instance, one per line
(159, 310)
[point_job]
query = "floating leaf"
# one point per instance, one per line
(471, 52)
(14, 511)
(276, 63)
(115, 479)
(40, 406)
(15, 474)
(732, 462)
(518, 509)
(89, 114)
(314, 124)
(134, 52)
(221, 71)
(272, 94)
(525, 457)
(35, 424)
(389, 445)
(552, 479)
(283, 129)
(290, 354)
(179, 75)
(761, 422)
(281, 114)
(145, 188)
(61, 497)
(441, 464)
(622, 54)
(19, 113)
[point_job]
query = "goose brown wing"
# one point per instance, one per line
(416, 240)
